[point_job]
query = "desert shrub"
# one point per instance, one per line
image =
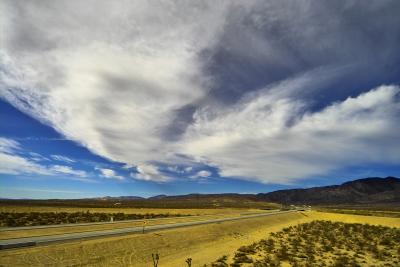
(248, 249)
(241, 257)
(324, 243)
(221, 262)
(282, 253)
(341, 261)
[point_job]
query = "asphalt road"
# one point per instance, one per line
(18, 228)
(42, 240)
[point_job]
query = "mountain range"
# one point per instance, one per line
(373, 190)
(362, 191)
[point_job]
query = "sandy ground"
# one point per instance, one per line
(203, 244)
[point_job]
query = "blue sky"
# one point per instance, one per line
(165, 98)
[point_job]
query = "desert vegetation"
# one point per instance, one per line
(13, 219)
(194, 201)
(203, 243)
(322, 243)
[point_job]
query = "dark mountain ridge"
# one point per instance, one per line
(362, 191)
(372, 190)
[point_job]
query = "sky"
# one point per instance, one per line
(117, 98)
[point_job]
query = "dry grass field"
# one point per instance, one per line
(379, 213)
(203, 244)
(16, 216)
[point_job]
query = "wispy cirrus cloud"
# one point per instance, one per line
(151, 65)
(8, 145)
(12, 164)
(60, 169)
(170, 79)
(37, 157)
(13, 161)
(62, 158)
(277, 140)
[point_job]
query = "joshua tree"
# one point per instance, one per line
(189, 262)
(155, 259)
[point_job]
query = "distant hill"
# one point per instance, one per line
(363, 191)
(372, 190)
(382, 192)
(118, 198)
(158, 197)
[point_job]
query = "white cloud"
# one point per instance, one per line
(110, 174)
(62, 158)
(114, 81)
(8, 145)
(108, 79)
(37, 157)
(150, 172)
(60, 169)
(273, 140)
(188, 169)
(128, 166)
(175, 169)
(13, 162)
(202, 174)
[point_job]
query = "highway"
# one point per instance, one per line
(47, 239)
(19, 228)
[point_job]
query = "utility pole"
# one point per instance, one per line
(144, 224)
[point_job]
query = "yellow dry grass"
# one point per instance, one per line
(350, 218)
(203, 243)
